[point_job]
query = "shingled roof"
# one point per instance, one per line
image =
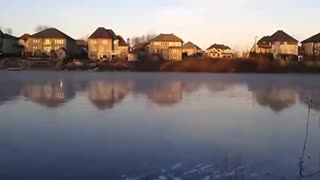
(281, 36)
(25, 37)
(219, 46)
(166, 38)
(103, 33)
(190, 45)
(122, 42)
(315, 38)
(51, 33)
(264, 40)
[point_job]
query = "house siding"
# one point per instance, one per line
(98, 48)
(311, 48)
(47, 45)
(165, 50)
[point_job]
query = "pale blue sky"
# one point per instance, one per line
(232, 22)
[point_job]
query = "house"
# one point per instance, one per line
(123, 48)
(105, 44)
(23, 41)
(139, 52)
(311, 46)
(165, 47)
(9, 45)
(46, 42)
(190, 49)
(280, 45)
(263, 46)
(219, 51)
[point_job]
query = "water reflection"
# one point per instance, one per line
(106, 94)
(277, 95)
(50, 94)
(166, 93)
(276, 98)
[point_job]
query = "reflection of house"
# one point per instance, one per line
(311, 46)
(167, 94)
(105, 94)
(280, 44)
(48, 94)
(277, 99)
(165, 47)
(190, 87)
(190, 49)
(9, 44)
(219, 51)
(105, 44)
(219, 86)
(48, 41)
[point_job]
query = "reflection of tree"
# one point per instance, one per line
(277, 99)
(167, 93)
(310, 93)
(48, 94)
(105, 94)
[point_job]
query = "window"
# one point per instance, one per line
(157, 43)
(36, 41)
(93, 42)
(35, 47)
(47, 48)
(56, 48)
(101, 48)
(105, 42)
(47, 41)
(59, 41)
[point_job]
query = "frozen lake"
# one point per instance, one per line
(152, 126)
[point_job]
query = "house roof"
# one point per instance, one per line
(166, 38)
(122, 42)
(190, 45)
(315, 38)
(25, 36)
(219, 46)
(51, 33)
(264, 40)
(103, 33)
(281, 36)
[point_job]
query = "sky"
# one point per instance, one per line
(235, 23)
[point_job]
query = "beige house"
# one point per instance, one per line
(105, 44)
(311, 46)
(219, 51)
(191, 49)
(123, 48)
(280, 44)
(47, 42)
(23, 41)
(165, 47)
(9, 45)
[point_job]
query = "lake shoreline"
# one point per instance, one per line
(190, 65)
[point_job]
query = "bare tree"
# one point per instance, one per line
(41, 28)
(8, 31)
(142, 38)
